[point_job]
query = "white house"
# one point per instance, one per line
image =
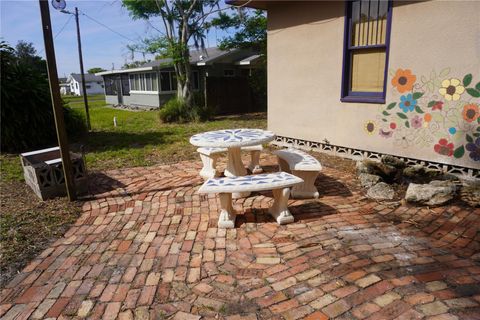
(93, 84)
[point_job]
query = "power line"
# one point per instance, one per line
(70, 18)
(58, 33)
(105, 26)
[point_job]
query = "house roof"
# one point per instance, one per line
(197, 57)
(88, 77)
(249, 60)
(257, 4)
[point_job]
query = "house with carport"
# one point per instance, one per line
(364, 78)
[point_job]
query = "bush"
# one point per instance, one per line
(26, 113)
(176, 110)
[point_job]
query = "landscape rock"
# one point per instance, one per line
(367, 180)
(470, 194)
(385, 171)
(433, 194)
(393, 161)
(381, 191)
(421, 174)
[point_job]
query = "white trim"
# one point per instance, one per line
(144, 92)
(124, 71)
(31, 153)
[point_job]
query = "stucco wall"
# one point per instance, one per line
(436, 40)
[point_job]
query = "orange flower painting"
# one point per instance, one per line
(470, 112)
(404, 80)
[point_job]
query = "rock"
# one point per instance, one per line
(433, 194)
(367, 180)
(385, 171)
(381, 191)
(421, 174)
(470, 194)
(393, 161)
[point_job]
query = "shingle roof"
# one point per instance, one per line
(88, 77)
(195, 56)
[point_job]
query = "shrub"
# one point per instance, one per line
(26, 113)
(177, 110)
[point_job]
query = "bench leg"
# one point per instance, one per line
(283, 165)
(209, 169)
(306, 189)
(227, 214)
(279, 210)
(254, 165)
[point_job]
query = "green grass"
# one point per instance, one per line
(79, 99)
(10, 168)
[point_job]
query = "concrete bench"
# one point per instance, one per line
(209, 158)
(278, 182)
(302, 165)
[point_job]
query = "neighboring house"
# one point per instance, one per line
(64, 86)
(154, 83)
(364, 78)
(93, 84)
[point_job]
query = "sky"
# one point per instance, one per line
(20, 20)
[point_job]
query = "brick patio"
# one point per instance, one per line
(147, 246)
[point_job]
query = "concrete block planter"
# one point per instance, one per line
(43, 172)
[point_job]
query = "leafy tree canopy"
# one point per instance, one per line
(95, 70)
(250, 27)
(26, 53)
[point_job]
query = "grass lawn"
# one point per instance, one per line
(140, 139)
(27, 224)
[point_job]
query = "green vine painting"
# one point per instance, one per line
(440, 112)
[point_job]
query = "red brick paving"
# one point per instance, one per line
(147, 246)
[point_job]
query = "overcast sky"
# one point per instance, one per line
(20, 20)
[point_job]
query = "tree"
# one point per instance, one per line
(26, 53)
(26, 112)
(184, 22)
(250, 28)
(95, 70)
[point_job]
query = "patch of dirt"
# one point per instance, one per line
(28, 225)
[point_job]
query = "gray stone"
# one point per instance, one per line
(470, 194)
(433, 194)
(367, 180)
(421, 174)
(381, 191)
(393, 161)
(377, 168)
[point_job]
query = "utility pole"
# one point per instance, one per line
(57, 100)
(84, 89)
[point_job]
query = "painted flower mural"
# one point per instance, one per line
(451, 89)
(403, 80)
(474, 149)
(407, 103)
(441, 113)
(444, 147)
(470, 112)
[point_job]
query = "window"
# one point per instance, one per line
(365, 60)
(229, 73)
(110, 86)
(125, 85)
(196, 80)
(168, 81)
(144, 82)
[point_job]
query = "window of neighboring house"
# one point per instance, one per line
(143, 82)
(196, 80)
(110, 87)
(76, 85)
(229, 73)
(365, 60)
(125, 85)
(88, 86)
(168, 81)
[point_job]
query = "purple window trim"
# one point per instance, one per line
(363, 97)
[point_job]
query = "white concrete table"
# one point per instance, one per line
(233, 140)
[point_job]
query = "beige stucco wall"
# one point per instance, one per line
(305, 48)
